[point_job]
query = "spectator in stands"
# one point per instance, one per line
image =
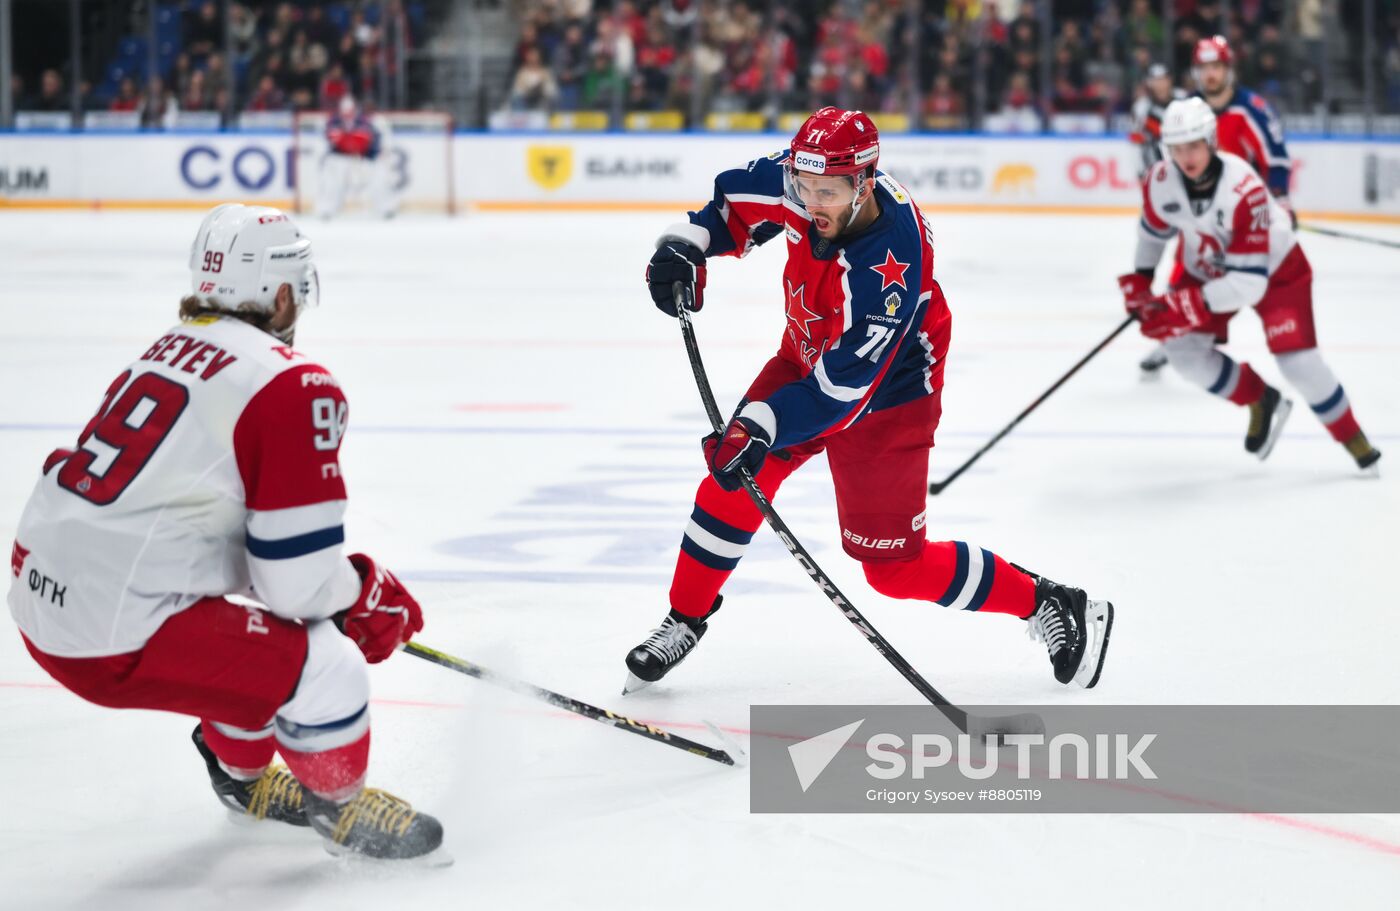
(180, 73)
(943, 106)
(1018, 98)
(126, 98)
(602, 83)
(158, 105)
(51, 96)
(534, 88)
(570, 67)
(333, 88)
(656, 56)
(204, 34)
(268, 97)
(196, 96)
(216, 75)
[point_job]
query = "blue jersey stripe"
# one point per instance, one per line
(296, 546)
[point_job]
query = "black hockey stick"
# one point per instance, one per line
(937, 486)
(621, 722)
(1346, 235)
(976, 725)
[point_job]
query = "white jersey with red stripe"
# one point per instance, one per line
(1231, 243)
(867, 324)
(211, 468)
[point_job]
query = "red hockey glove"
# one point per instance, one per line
(1175, 313)
(745, 444)
(384, 617)
(1137, 292)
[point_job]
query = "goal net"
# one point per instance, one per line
(414, 166)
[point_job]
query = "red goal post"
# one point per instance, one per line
(416, 147)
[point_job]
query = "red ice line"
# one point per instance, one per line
(1356, 838)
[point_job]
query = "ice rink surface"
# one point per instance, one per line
(524, 451)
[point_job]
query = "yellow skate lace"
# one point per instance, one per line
(377, 809)
(276, 787)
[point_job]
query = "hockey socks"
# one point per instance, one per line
(958, 575)
(719, 531)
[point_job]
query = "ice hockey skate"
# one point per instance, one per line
(376, 824)
(1074, 629)
(274, 795)
(667, 646)
(1266, 419)
(1366, 455)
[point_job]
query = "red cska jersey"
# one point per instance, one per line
(867, 324)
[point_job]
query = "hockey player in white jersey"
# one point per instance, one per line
(1239, 251)
(211, 471)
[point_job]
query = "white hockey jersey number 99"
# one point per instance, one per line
(329, 417)
(132, 426)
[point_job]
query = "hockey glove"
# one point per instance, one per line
(676, 261)
(1177, 312)
(385, 615)
(1137, 292)
(745, 444)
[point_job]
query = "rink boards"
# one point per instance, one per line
(1355, 180)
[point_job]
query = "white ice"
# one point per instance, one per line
(523, 449)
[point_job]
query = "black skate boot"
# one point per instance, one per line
(1364, 453)
(1074, 629)
(374, 824)
(1266, 419)
(275, 795)
(666, 647)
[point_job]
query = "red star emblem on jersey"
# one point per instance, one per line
(891, 271)
(797, 305)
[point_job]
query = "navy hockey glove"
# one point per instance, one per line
(745, 444)
(676, 261)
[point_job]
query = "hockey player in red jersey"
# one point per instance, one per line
(1238, 250)
(1246, 124)
(210, 472)
(859, 374)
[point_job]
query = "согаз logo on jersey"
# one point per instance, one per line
(549, 166)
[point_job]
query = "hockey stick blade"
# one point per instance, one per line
(568, 704)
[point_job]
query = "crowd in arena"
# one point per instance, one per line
(276, 56)
(959, 56)
(942, 60)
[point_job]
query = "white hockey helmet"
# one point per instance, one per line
(242, 255)
(1187, 120)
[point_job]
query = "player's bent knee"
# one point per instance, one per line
(330, 707)
(893, 578)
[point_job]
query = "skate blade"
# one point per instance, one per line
(1098, 615)
(1281, 413)
(437, 858)
(634, 684)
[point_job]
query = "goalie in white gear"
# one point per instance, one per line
(1238, 251)
(357, 162)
